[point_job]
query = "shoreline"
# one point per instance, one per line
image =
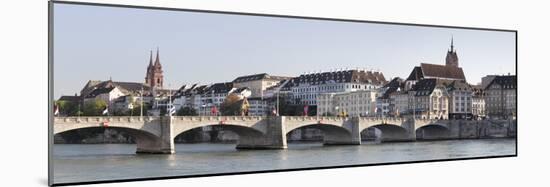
(316, 142)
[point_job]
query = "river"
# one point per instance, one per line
(96, 162)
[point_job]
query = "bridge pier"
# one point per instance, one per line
(274, 138)
(158, 145)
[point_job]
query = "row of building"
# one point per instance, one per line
(430, 91)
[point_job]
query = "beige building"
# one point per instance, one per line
(400, 103)
(108, 95)
(429, 99)
(358, 103)
(257, 83)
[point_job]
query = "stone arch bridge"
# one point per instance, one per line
(156, 134)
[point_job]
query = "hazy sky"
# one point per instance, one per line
(96, 43)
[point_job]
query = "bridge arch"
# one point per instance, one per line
(388, 132)
(242, 131)
(143, 139)
(333, 134)
(433, 131)
(145, 130)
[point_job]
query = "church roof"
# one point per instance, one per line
(436, 71)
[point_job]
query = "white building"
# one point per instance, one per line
(478, 103)
(258, 83)
(357, 103)
(307, 87)
(259, 107)
(460, 99)
(108, 94)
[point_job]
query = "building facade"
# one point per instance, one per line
(305, 88)
(460, 100)
(501, 98)
(386, 102)
(428, 99)
(400, 103)
(257, 83)
(357, 103)
(478, 103)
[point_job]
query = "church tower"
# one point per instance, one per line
(154, 77)
(452, 57)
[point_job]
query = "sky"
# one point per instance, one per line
(102, 43)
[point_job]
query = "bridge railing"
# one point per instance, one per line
(314, 118)
(98, 119)
(382, 118)
(218, 118)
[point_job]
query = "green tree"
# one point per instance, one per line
(136, 111)
(94, 107)
(186, 111)
(68, 108)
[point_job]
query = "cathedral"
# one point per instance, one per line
(154, 77)
(452, 57)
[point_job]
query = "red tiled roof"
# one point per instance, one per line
(442, 71)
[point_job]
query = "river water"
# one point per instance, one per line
(96, 162)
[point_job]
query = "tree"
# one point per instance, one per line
(186, 111)
(232, 105)
(68, 108)
(285, 108)
(94, 107)
(136, 110)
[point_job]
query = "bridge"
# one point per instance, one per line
(156, 134)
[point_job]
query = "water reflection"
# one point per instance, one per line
(77, 163)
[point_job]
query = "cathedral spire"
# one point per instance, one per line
(452, 46)
(151, 58)
(452, 57)
(157, 61)
(154, 77)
